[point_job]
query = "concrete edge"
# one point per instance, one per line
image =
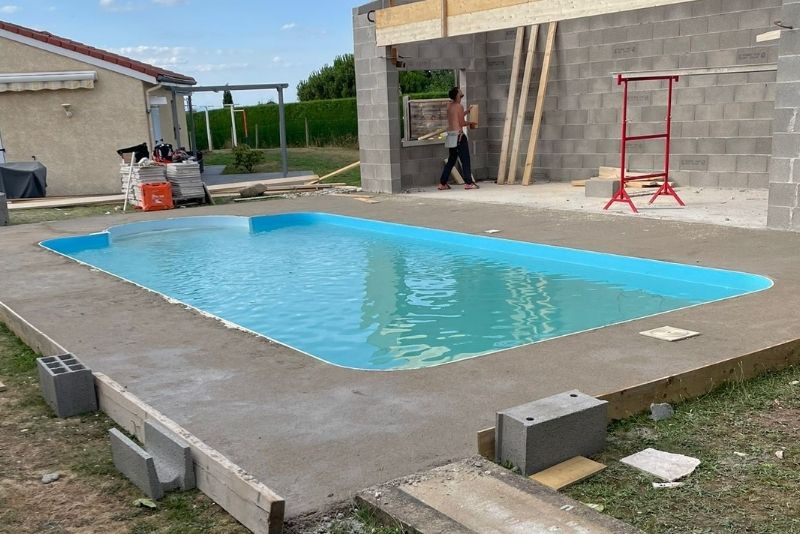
(249, 501)
(400, 505)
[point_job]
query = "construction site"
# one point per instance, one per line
(447, 360)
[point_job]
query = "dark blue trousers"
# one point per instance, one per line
(460, 151)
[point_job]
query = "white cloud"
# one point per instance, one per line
(289, 26)
(213, 67)
(160, 56)
(115, 5)
(170, 2)
(8, 9)
(276, 59)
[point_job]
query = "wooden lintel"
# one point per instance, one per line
(443, 17)
(420, 21)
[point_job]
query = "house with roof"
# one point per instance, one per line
(70, 106)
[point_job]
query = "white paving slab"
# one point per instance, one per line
(665, 465)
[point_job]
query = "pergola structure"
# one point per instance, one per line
(188, 91)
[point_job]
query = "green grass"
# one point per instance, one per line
(727, 492)
(35, 215)
(321, 161)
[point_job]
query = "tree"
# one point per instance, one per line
(227, 97)
(331, 81)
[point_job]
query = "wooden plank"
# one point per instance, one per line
(512, 95)
(578, 183)
(701, 71)
(455, 174)
(419, 21)
(567, 473)
(334, 173)
(523, 103)
(252, 503)
(527, 173)
(486, 443)
(768, 36)
(443, 17)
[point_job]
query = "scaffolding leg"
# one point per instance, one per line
(621, 196)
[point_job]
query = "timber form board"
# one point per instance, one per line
(250, 502)
(432, 19)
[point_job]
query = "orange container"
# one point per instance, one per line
(156, 196)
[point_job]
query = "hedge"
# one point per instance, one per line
(330, 122)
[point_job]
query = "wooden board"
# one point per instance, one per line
(486, 443)
(420, 21)
(455, 174)
(567, 473)
(527, 174)
(250, 502)
(703, 71)
(334, 173)
(509, 117)
(523, 103)
(768, 36)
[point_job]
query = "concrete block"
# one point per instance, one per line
(67, 385)
(135, 463)
(3, 210)
(172, 456)
(542, 433)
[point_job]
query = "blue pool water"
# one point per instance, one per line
(373, 295)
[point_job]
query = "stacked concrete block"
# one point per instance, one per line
(784, 171)
(164, 465)
(3, 210)
(377, 91)
(542, 433)
(67, 385)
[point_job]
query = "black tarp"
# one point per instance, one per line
(23, 179)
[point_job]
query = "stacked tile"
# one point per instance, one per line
(185, 180)
(141, 174)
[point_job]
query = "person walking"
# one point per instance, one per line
(456, 141)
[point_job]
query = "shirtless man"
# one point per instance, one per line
(457, 141)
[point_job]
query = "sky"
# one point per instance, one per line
(214, 41)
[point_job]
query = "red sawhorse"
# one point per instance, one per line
(666, 189)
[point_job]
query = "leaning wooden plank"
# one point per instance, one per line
(334, 173)
(512, 95)
(768, 36)
(527, 174)
(523, 103)
(567, 473)
(249, 501)
(456, 175)
(420, 21)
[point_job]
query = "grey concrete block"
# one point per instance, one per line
(3, 210)
(601, 188)
(542, 433)
(172, 456)
(67, 385)
(135, 463)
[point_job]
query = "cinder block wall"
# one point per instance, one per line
(784, 187)
(722, 124)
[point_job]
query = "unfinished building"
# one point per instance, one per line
(734, 107)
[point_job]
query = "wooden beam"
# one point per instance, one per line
(486, 443)
(567, 473)
(527, 174)
(768, 36)
(703, 71)
(512, 95)
(420, 21)
(334, 173)
(456, 175)
(443, 16)
(523, 103)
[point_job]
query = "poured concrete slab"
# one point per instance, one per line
(474, 496)
(316, 434)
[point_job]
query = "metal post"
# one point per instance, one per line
(192, 138)
(282, 126)
(256, 135)
(176, 125)
(233, 127)
(208, 131)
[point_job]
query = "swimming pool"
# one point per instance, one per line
(372, 295)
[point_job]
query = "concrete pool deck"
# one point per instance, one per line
(316, 434)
